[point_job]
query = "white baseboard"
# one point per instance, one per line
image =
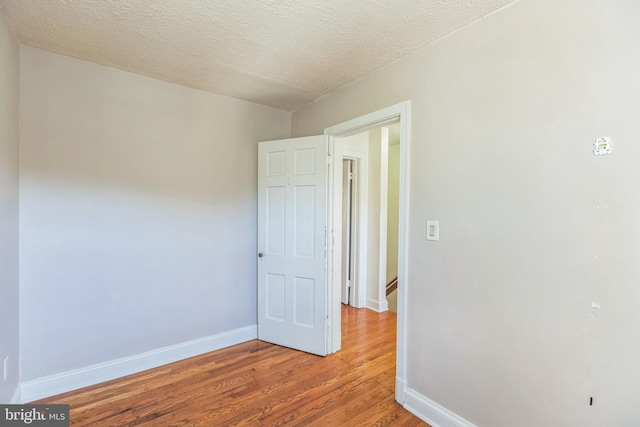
(378, 306)
(432, 413)
(401, 387)
(52, 385)
(17, 396)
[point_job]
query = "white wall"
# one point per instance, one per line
(533, 226)
(393, 204)
(9, 109)
(138, 212)
(393, 213)
(373, 221)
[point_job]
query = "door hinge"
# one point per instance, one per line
(350, 177)
(326, 322)
(328, 160)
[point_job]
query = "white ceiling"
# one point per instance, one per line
(281, 53)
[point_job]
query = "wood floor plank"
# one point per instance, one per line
(259, 384)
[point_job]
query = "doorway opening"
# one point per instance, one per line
(400, 114)
(370, 208)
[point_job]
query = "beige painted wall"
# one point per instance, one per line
(9, 106)
(138, 212)
(533, 227)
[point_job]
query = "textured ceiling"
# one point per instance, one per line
(281, 53)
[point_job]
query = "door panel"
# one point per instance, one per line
(304, 199)
(275, 212)
(304, 307)
(292, 216)
(275, 297)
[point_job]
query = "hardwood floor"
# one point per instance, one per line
(259, 384)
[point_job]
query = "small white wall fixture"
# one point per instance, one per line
(396, 113)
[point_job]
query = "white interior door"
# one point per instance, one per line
(292, 238)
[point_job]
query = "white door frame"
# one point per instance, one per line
(401, 112)
(348, 251)
(359, 227)
(356, 238)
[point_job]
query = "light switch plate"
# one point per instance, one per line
(433, 230)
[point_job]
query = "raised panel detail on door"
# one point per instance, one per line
(305, 161)
(275, 297)
(276, 163)
(303, 296)
(304, 221)
(275, 211)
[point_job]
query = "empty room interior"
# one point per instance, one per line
(130, 175)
